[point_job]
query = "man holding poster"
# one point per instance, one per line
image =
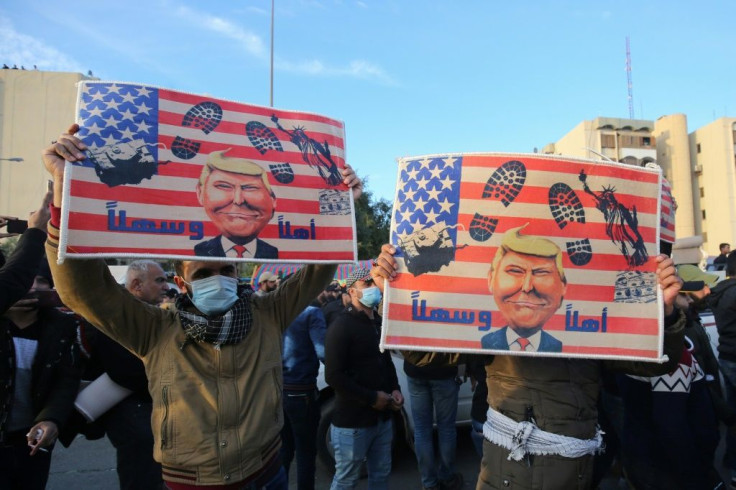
(213, 362)
(528, 284)
(238, 199)
(542, 419)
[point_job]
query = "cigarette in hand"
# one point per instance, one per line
(37, 437)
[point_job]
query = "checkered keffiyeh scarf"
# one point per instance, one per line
(229, 328)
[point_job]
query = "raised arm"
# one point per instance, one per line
(86, 286)
(16, 277)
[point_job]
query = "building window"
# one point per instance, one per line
(626, 141)
(698, 147)
(608, 141)
(702, 192)
(646, 141)
(705, 237)
(703, 212)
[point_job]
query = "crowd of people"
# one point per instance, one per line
(218, 387)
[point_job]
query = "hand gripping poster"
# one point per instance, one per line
(174, 175)
(527, 255)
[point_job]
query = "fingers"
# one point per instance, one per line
(666, 271)
(351, 179)
(383, 399)
(385, 265)
(26, 303)
(347, 173)
(378, 278)
(47, 199)
(669, 281)
(397, 400)
(50, 433)
(70, 148)
(41, 435)
(40, 217)
(67, 148)
(388, 248)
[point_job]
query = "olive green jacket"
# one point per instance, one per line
(217, 412)
(562, 396)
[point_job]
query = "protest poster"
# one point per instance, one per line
(174, 175)
(489, 245)
(668, 208)
(284, 270)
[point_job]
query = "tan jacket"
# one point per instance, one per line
(217, 413)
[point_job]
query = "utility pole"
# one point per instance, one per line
(630, 84)
(272, 10)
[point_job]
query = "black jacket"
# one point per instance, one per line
(332, 309)
(722, 301)
(16, 277)
(356, 369)
(123, 367)
(55, 372)
(708, 362)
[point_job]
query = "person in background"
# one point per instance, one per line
(722, 302)
(670, 431)
(476, 369)
(433, 388)
(333, 308)
(39, 377)
(170, 297)
(720, 261)
(128, 424)
(18, 273)
(366, 388)
(304, 349)
(267, 282)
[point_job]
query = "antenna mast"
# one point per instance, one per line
(629, 83)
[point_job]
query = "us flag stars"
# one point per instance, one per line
(427, 194)
(117, 114)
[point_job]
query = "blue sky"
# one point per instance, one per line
(407, 77)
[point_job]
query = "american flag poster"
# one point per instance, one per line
(669, 206)
(525, 254)
(174, 175)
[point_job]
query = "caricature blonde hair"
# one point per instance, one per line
(218, 161)
(514, 241)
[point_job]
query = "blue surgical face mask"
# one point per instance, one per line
(214, 294)
(371, 297)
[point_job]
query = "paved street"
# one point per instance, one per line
(85, 465)
(90, 465)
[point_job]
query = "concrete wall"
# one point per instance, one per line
(712, 149)
(35, 107)
(575, 142)
(584, 140)
(673, 155)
